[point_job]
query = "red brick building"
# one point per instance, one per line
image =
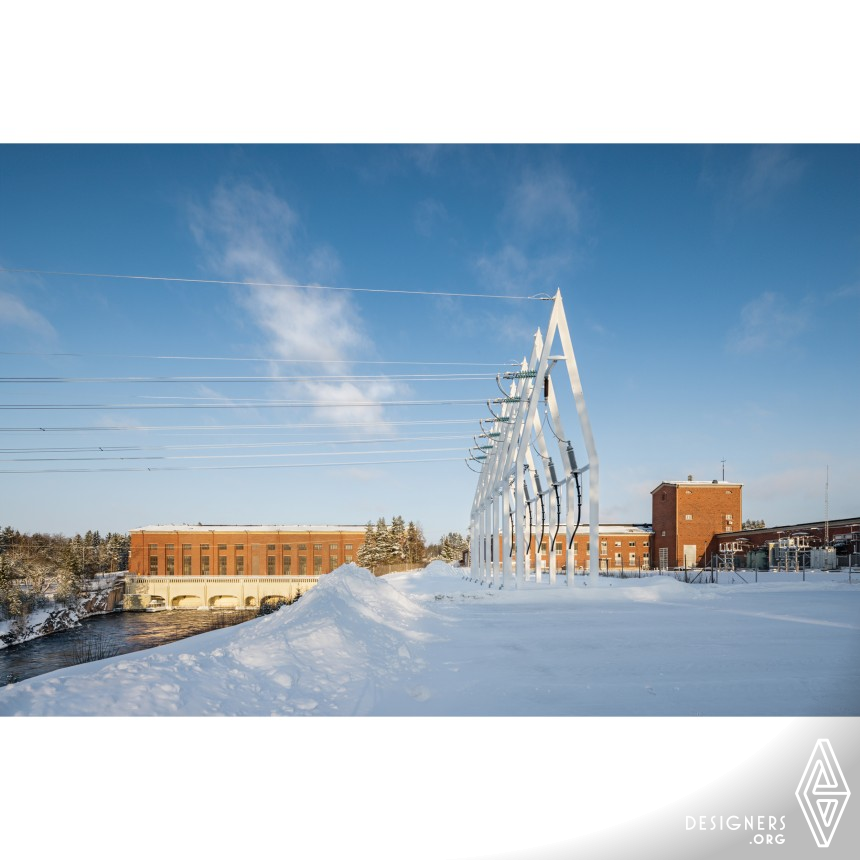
(234, 550)
(689, 518)
(622, 547)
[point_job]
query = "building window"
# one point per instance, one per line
(332, 562)
(317, 547)
(631, 558)
(240, 546)
(240, 565)
(317, 565)
(618, 559)
(270, 546)
(204, 546)
(222, 546)
(631, 543)
(728, 492)
(170, 565)
(332, 546)
(222, 565)
(186, 547)
(303, 547)
(688, 516)
(559, 547)
(204, 565)
(663, 534)
(618, 543)
(303, 566)
(153, 547)
(153, 565)
(288, 565)
(186, 565)
(348, 558)
(286, 547)
(168, 546)
(347, 546)
(270, 565)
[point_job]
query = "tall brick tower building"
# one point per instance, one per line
(689, 516)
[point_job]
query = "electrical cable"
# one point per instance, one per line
(258, 404)
(232, 427)
(218, 468)
(221, 456)
(110, 449)
(538, 297)
(263, 359)
(424, 377)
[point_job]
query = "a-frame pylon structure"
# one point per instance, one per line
(521, 497)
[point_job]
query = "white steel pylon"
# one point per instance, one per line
(514, 487)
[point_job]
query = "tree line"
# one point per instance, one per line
(39, 569)
(399, 542)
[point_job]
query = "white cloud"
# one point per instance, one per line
(767, 171)
(249, 233)
(538, 223)
(428, 215)
(753, 182)
(512, 270)
(765, 322)
(13, 312)
(543, 200)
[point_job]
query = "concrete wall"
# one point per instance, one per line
(211, 592)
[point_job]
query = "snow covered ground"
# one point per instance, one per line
(433, 643)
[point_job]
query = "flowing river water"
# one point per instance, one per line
(106, 636)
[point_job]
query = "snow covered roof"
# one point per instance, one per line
(643, 530)
(222, 527)
(696, 484)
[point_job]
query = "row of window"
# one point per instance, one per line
(272, 568)
(270, 547)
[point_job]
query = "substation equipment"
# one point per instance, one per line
(530, 482)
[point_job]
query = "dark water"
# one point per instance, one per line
(106, 636)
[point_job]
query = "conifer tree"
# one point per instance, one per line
(367, 555)
(415, 546)
(397, 536)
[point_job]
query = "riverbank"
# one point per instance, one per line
(110, 634)
(101, 598)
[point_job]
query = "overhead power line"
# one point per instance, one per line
(539, 297)
(92, 428)
(112, 449)
(256, 404)
(397, 377)
(261, 359)
(217, 468)
(222, 456)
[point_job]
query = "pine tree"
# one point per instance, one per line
(415, 546)
(397, 535)
(453, 546)
(385, 545)
(368, 554)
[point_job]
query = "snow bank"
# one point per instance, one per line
(347, 642)
(436, 643)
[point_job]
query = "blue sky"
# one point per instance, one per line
(713, 295)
